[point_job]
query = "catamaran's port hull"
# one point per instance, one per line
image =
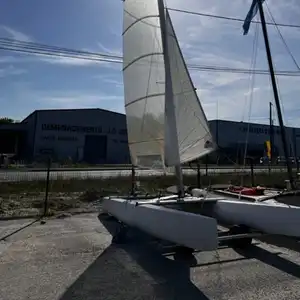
(183, 228)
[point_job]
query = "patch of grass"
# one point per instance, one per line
(23, 198)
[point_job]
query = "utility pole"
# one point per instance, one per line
(275, 92)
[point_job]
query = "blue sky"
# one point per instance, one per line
(29, 82)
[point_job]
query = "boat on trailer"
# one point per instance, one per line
(192, 221)
(167, 127)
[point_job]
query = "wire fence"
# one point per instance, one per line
(17, 173)
(49, 189)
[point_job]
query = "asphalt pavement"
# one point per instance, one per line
(73, 258)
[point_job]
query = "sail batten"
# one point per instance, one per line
(138, 20)
(139, 58)
(142, 98)
(166, 124)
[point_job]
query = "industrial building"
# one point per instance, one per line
(234, 137)
(93, 136)
(99, 136)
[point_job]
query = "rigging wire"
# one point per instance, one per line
(282, 38)
(228, 18)
(251, 88)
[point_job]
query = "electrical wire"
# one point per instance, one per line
(55, 49)
(59, 52)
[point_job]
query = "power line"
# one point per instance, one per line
(229, 18)
(55, 49)
(59, 52)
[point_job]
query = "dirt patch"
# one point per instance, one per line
(19, 205)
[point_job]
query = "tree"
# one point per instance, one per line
(5, 120)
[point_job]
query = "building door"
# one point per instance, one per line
(95, 149)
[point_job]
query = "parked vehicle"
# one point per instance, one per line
(281, 160)
(264, 160)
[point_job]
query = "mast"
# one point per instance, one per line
(169, 95)
(271, 132)
(275, 92)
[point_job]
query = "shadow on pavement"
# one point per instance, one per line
(272, 259)
(134, 270)
(282, 241)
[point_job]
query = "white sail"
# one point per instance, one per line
(160, 132)
(193, 133)
(144, 82)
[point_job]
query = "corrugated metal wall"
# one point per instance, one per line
(64, 134)
(234, 134)
(30, 125)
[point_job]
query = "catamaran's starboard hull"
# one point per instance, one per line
(270, 217)
(186, 229)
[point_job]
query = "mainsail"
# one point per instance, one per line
(145, 92)
(144, 82)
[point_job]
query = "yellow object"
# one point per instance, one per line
(268, 146)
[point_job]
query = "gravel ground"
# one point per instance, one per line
(73, 258)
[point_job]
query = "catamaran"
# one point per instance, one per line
(167, 127)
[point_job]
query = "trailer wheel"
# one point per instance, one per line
(242, 242)
(184, 250)
(120, 236)
(106, 216)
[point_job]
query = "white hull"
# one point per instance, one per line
(183, 228)
(269, 216)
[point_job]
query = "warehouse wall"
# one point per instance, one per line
(30, 126)
(90, 135)
(234, 134)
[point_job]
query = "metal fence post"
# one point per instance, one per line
(47, 186)
(133, 183)
(198, 175)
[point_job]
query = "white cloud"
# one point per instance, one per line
(8, 69)
(27, 97)
(11, 71)
(81, 100)
(113, 79)
(56, 99)
(108, 50)
(7, 59)
(67, 61)
(15, 34)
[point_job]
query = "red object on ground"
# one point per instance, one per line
(253, 191)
